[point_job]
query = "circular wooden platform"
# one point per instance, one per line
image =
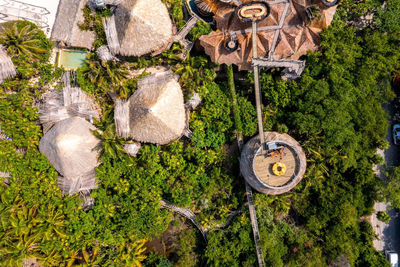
(262, 164)
(256, 167)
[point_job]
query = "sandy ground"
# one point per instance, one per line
(50, 5)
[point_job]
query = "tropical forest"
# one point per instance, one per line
(185, 202)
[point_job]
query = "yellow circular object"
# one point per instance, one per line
(279, 168)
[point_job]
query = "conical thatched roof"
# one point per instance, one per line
(155, 113)
(142, 26)
(69, 146)
(66, 29)
(7, 68)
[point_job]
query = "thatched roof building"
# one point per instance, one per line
(155, 113)
(66, 30)
(287, 33)
(70, 147)
(139, 27)
(7, 68)
(70, 102)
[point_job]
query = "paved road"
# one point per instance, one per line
(389, 234)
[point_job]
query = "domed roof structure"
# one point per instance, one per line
(70, 147)
(142, 26)
(155, 113)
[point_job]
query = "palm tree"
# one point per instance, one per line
(130, 253)
(22, 41)
(110, 143)
(107, 75)
(191, 71)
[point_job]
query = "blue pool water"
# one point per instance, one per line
(72, 59)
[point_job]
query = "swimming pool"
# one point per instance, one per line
(71, 59)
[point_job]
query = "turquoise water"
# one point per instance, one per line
(71, 59)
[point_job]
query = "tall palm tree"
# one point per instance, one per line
(106, 75)
(191, 71)
(22, 41)
(110, 143)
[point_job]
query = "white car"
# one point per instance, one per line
(396, 134)
(392, 257)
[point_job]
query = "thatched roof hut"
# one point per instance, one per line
(7, 68)
(70, 147)
(141, 27)
(66, 30)
(68, 103)
(155, 113)
(284, 34)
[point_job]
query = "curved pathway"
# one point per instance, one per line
(187, 214)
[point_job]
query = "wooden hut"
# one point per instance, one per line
(66, 31)
(70, 147)
(139, 27)
(7, 68)
(155, 113)
(284, 34)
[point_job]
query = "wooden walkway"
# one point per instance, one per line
(186, 29)
(249, 191)
(187, 214)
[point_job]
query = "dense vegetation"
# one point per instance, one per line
(334, 110)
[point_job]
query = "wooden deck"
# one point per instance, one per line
(263, 167)
(246, 165)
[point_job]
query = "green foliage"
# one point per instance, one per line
(186, 248)
(232, 246)
(93, 22)
(96, 77)
(200, 29)
(211, 124)
(157, 260)
(194, 72)
(176, 11)
(388, 19)
(335, 111)
(23, 38)
(392, 186)
(383, 216)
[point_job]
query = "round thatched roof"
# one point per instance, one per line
(143, 26)
(155, 113)
(69, 146)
